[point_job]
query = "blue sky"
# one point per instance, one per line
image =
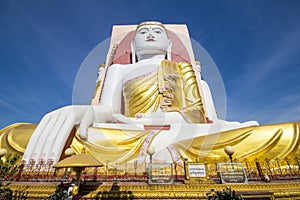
(255, 45)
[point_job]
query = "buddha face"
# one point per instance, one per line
(151, 39)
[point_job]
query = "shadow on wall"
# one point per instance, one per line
(115, 193)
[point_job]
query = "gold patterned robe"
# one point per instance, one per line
(172, 88)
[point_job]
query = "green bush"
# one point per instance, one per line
(226, 194)
(8, 169)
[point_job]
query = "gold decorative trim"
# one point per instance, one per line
(134, 190)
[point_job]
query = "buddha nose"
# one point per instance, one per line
(150, 36)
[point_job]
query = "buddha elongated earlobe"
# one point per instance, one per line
(169, 50)
(133, 57)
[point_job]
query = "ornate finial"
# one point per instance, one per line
(229, 150)
(69, 152)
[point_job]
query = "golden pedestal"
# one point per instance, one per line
(178, 190)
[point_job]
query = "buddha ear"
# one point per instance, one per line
(169, 50)
(133, 57)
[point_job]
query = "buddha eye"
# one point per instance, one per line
(143, 31)
(157, 32)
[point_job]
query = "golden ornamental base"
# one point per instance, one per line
(198, 181)
(178, 190)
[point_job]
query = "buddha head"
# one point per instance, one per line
(150, 39)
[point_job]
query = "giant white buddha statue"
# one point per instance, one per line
(150, 97)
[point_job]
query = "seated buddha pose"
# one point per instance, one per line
(152, 90)
(150, 100)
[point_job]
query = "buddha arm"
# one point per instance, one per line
(193, 101)
(111, 94)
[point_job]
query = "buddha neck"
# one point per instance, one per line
(151, 56)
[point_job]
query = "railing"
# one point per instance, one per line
(264, 169)
(256, 170)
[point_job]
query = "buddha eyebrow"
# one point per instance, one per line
(143, 29)
(158, 28)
